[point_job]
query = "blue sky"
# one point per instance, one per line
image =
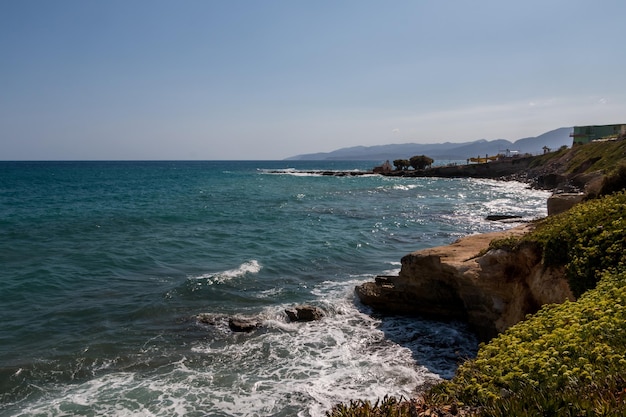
(152, 79)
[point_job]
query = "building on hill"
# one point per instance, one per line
(586, 134)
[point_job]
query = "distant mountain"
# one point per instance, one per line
(553, 139)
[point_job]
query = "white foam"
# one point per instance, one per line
(405, 187)
(282, 369)
(250, 267)
(313, 173)
(309, 367)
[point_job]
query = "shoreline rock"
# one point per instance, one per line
(304, 313)
(239, 323)
(491, 292)
(243, 324)
(558, 203)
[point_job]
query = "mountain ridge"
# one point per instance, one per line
(553, 139)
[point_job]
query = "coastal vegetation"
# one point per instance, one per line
(567, 359)
(420, 161)
(594, 156)
(417, 162)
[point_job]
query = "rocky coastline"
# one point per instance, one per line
(490, 289)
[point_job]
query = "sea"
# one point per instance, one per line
(108, 267)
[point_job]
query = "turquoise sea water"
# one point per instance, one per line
(105, 266)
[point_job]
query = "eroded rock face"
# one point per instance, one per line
(491, 292)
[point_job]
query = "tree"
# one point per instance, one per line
(420, 162)
(401, 164)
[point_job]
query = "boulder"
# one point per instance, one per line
(558, 203)
(243, 324)
(304, 313)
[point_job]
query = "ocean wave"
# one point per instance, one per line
(404, 187)
(283, 369)
(250, 267)
(303, 369)
(317, 172)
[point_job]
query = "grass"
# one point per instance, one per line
(594, 156)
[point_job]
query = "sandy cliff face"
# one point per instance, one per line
(491, 292)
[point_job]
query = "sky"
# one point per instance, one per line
(266, 80)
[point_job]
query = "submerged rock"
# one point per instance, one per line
(211, 319)
(235, 323)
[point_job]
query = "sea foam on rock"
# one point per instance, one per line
(247, 324)
(491, 292)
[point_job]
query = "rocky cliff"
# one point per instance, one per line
(491, 290)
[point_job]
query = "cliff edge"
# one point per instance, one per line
(490, 289)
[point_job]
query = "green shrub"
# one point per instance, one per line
(567, 359)
(588, 239)
(388, 407)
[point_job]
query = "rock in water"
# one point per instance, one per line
(304, 313)
(499, 217)
(241, 324)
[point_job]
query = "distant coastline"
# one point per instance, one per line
(553, 139)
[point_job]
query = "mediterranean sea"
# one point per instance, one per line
(106, 266)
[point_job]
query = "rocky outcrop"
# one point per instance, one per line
(246, 324)
(491, 292)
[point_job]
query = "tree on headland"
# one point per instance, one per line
(420, 162)
(401, 164)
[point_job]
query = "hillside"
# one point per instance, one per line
(581, 167)
(446, 151)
